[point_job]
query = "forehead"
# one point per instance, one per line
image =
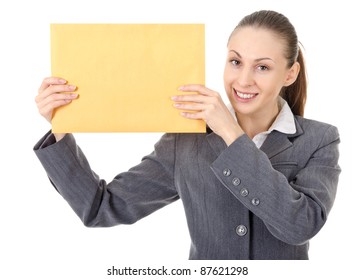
(251, 42)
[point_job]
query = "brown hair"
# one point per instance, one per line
(294, 94)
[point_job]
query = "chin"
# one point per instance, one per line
(244, 109)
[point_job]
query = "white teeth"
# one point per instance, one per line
(244, 95)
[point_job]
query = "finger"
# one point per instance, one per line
(54, 89)
(190, 106)
(51, 81)
(197, 98)
(193, 115)
(55, 98)
(198, 88)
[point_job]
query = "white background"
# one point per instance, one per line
(41, 238)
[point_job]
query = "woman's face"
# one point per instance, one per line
(256, 70)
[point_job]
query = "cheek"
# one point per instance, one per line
(270, 84)
(271, 90)
(229, 77)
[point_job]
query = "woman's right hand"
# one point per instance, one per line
(54, 93)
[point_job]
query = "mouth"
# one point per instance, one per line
(244, 96)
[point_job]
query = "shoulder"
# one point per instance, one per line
(314, 129)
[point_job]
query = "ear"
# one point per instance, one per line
(292, 74)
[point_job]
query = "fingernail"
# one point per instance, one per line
(71, 87)
(62, 81)
(181, 88)
(174, 98)
(74, 95)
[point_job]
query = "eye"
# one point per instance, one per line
(262, 68)
(235, 62)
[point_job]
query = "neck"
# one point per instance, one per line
(257, 123)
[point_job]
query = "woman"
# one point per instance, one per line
(259, 185)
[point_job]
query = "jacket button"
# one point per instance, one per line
(236, 181)
(241, 230)
(226, 172)
(244, 192)
(255, 201)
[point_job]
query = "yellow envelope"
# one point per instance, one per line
(126, 75)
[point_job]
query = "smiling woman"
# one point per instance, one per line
(255, 73)
(295, 90)
(258, 185)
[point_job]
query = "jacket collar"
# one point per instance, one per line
(275, 143)
(278, 142)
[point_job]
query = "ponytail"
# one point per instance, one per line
(295, 94)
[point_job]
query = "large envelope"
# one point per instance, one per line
(126, 75)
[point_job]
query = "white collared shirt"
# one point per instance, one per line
(284, 123)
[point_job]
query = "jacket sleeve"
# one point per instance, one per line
(130, 196)
(292, 211)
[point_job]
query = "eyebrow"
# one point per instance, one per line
(257, 59)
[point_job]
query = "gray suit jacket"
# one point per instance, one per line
(240, 202)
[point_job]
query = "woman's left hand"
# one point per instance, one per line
(208, 106)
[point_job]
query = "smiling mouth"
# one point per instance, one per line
(244, 95)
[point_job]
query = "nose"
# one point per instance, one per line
(245, 77)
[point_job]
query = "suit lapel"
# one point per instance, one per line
(278, 142)
(275, 143)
